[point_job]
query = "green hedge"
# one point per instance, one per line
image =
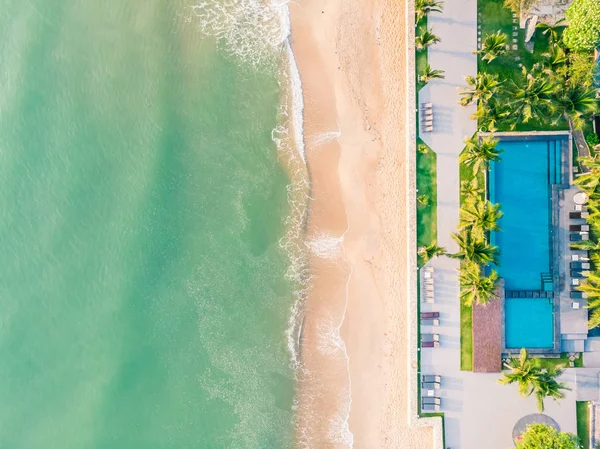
(583, 32)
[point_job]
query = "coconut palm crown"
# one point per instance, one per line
(493, 45)
(475, 287)
(478, 153)
(480, 89)
(425, 39)
(474, 249)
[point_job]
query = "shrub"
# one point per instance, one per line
(592, 139)
(583, 32)
(423, 149)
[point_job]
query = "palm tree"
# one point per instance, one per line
(532, 98)
(479, 153)
(424, 7)
(472, 249)
(531, 378)
(546, 386)
(470, 190)
(494, 45)
(553, 60)
(480, 89)
(425, 39)
(522, 371)
(476, 288)
(489, 114)
(553, 31)
(423, 200)
(480, 217)
(586, 245)
(431, 252)
(589, 180)
(574, 102)
(429, 74)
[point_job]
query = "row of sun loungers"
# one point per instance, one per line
(579, 265)
(430, 384)
(427, 285)
(427, 117)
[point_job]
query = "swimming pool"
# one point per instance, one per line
(522, 183)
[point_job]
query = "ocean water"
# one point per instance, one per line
(146, 280)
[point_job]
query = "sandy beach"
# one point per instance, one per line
(353, 391)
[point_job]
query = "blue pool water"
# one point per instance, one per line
(521, 182)
(529, 323)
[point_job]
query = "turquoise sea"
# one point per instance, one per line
(143, 203)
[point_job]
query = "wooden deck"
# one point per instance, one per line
(487, 342)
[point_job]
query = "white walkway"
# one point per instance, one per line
(457, 29)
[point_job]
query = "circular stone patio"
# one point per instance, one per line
(534, 418)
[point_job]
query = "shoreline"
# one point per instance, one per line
(353, 386)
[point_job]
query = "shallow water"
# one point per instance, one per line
(143, 300)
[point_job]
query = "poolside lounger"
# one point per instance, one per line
(427, 275)
(431, 378)
(427, 111)
(428, 287)
(579, 274)
(428, 269)
(430, 344)
(430, 322)
(428, 129)
(430, 385)
(578, 257)
(575, 281)
(430, 337)
(426, 105)
(579, 227)
(580, 265)
(575, 305)
(579, 214)
(425, 315)
(430, 407)
(431, 400)
(576, 294)
(579, 236)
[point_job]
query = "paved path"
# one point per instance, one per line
(457, 29)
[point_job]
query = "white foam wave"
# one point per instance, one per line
(252, 30)
(257, 32)
(321, 138)
(325, 246)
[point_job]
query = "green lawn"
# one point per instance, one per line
(550, 363)
(583, 424)
(466, 338)
(426, 185)
(466, 313)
